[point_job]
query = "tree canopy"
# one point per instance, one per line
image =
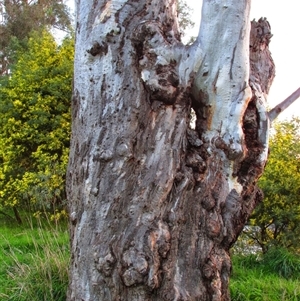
(35, 124)
(278, 216)
(20, 18)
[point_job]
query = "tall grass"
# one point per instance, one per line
(34, 263)
(272, 277)
(282, 262)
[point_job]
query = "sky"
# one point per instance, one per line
(283, 17)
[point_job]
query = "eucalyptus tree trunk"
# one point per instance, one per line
(155, 205)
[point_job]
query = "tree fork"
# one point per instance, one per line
(156, 205)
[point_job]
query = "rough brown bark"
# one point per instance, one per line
(155, 205)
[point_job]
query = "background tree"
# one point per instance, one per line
(20, 17)
(184, 17)
(155, 205)
(278, 216)
(35, 125)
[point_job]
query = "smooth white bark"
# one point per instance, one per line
(224, 75)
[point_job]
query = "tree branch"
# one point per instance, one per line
(221, 86)
(7, 215)
(273, 114)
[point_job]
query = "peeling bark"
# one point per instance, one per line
(155, 205)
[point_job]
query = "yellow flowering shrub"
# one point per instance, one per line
(35, 125)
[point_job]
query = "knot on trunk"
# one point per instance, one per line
(261, 63)
(193, 138)
(233, 150)
(216, 272)
(159, 245)
(141, 264)
(196, 162)
(98, 49)
(104, 264)
(214, 226)
(195, 157)
(136, 267)
(260, 35)
(157, 62)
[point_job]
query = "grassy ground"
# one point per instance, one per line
(275, 277)
(34, 262)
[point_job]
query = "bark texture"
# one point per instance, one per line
(156, 205)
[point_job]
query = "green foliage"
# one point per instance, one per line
(34, 263)
(184, 16)
(35, 125)
(20, 18)
(278, 216)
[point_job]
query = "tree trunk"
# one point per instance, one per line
(17, 215)
(156, 205)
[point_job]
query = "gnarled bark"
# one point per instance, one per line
(155, 205)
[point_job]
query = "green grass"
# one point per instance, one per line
(274, 277)
(34, 262)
